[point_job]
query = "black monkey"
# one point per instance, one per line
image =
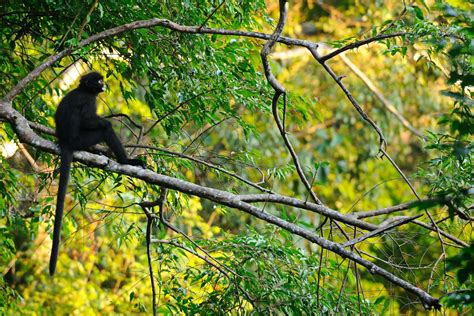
(78, 127)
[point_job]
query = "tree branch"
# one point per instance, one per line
(360, 43)
(280, 90)
(380, 230)
(148, 24)
(26, 135)
(395, 208)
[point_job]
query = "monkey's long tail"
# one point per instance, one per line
(64, 168)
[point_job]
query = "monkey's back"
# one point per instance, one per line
(74, 107)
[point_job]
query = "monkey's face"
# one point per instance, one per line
(93, 82)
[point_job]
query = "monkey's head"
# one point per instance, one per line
(92, 82)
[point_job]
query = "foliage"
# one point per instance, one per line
(278, 277)
(450, 173)
(201, 105)
(463, 263)
(9, 299)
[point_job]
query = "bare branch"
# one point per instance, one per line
(443, 233)
(380, 230)
(321, 209)
(280, 90)
(396, 208)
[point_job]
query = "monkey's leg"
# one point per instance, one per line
(91, 137)
(114, 143)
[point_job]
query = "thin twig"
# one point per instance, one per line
(205, 163)
(63, 38)
(318, 285)
(381, 230)
(400, 172)
(398, 18)
(28, 157)
(210, 15)
(386, 103)
(176, 108)
(203, 132)
(360, 43)
(343, 285)
(397, 208)
(443, 233)
(338, 80)
(430, 280)
(123, 115)
(86, 19)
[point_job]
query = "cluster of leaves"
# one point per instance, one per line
(452, 176)
(9, 299)
(278, 277)
(462, 263)
(450, 172)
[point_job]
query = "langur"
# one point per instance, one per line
(78, 127)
